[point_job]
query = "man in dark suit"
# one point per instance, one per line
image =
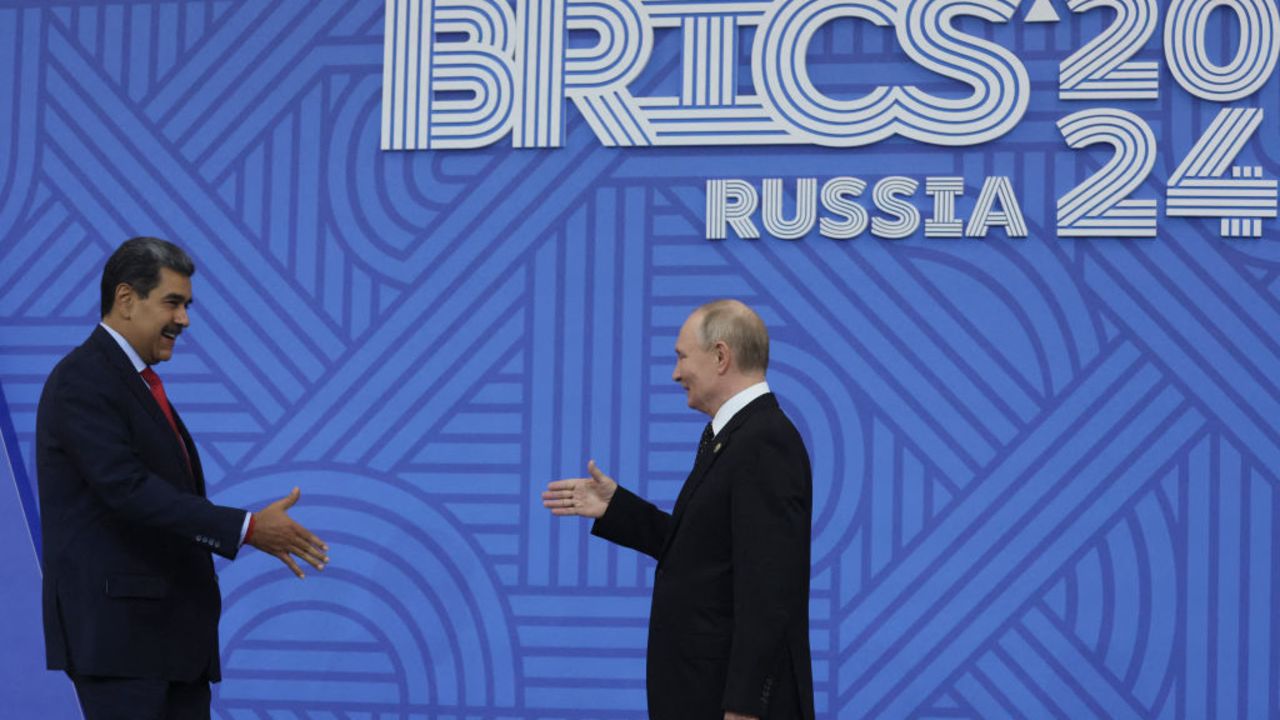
(729, 624)
(131, 601)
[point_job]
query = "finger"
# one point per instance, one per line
(284, 558)
(313, 558)
(291, 499)
(564, 511)
(595, 471)
(303, 538)
(314, 541)
(568, 484)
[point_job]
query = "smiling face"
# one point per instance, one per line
(697, 369)
(153, 323)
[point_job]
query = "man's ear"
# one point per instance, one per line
(125, 296)
(723, 355)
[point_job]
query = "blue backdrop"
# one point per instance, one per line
(1044, 467)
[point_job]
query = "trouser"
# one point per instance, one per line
(114, 698)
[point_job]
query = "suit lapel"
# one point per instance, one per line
(138, 388)
(703, 465)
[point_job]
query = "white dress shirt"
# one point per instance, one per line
(736, 403)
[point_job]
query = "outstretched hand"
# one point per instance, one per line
(588, 497)
(275, 533)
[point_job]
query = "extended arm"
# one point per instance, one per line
(620, 515)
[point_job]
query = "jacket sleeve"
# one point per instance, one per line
(770, 522)
(96, 436)
(633, 522)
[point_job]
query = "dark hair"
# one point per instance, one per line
(137, 263)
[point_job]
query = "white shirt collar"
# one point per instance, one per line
(736, 403)
(134, 357)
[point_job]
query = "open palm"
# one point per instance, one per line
(588, 496)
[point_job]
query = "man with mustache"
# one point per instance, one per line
(131, 600)
(729, 624)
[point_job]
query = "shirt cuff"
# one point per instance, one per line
(244, 529)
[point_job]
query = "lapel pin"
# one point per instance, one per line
(717, 447)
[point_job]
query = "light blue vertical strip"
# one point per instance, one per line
(166, 39)
(87, 28)
(1198, 482)
(360, 303)
(11, 60)
(306, 225)
(193, 15)
(1230, 520)
(913, 511)
(852, 572)
(253, 180)
(1162, 545)
(24, 488)
(1260, 674)
(139, 51)
(27, 690)
(880, 488)
(281, 196)
(629, 226)
(1090, 579)
(574, 394)
(605, 381)
(113, 44)
(336, 298)
(1126, 614)
(542, 409)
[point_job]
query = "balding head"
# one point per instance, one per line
(722, 349)
(739, 327)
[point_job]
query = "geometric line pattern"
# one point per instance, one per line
(1044, 468)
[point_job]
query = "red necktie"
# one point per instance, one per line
(157, 391)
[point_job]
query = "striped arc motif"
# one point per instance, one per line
(1044, 470)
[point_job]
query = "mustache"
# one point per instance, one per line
(174, 330)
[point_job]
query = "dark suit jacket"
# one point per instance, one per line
(129, 586)
(729, 625)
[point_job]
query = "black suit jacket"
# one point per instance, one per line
(129, 585)
(729, 625)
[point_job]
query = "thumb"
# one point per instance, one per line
(291, 499)
(596, 474)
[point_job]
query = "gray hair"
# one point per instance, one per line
(137, 263)
(740, 328)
